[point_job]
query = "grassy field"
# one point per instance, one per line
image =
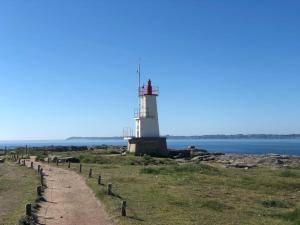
(17, 188)
(159, 191)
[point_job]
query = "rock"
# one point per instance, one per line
(272, 155)
(218, 153)
(175, 154)
(241, 165)
(197, 158)
(280, 162)
(199, 153)
(180, 160)
(210, 158)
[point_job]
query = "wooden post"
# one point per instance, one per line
(56, 162)
(42, 180)
(19, 161)
(80, 168)
(48, 160)
(31, 165)
(39, 191)
(99, 179)
(123, 208)
(109, 189)
(28, 210)
(69, 165)
(90, 173)
(41, 171)
(23, 162)
(39, 168)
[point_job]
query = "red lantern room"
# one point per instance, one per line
(149, 90)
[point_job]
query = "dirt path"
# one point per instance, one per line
(69, 201)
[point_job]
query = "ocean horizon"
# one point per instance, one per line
(239, 146)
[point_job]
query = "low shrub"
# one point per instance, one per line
(276, 204)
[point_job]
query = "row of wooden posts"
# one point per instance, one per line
(16, 156)
(40, 188)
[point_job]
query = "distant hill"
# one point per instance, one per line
(215, 136)
(239, 136)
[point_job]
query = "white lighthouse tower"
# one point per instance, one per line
(147, 139)
(147, 118)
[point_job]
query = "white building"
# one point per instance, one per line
(147, 117)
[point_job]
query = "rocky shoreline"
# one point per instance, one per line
(190, 155)
(246, 161)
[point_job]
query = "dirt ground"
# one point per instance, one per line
(69, 201)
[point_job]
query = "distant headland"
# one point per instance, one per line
(214, 136)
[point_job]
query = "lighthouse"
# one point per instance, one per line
(147, 138)
(147, 118)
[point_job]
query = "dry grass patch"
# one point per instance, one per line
(17, 187)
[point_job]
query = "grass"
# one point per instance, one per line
(17, 188)
(159, 191)
(293, 216)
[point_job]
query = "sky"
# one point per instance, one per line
(68, 68)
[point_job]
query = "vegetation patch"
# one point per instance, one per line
(161, 191)
(215, 205)
(179, 169)
(293, 216)
(288, 173)
(17, 188)
(276, 204)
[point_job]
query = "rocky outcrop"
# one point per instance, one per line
(192, 155)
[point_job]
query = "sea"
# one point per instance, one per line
(241, 146)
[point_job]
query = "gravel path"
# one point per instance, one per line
(69, 201)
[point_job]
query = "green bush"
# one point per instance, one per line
(276, 204)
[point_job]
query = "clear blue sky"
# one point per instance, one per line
(67, 68)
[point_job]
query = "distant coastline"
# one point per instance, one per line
(217, 136)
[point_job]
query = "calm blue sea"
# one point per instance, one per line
(282, 146)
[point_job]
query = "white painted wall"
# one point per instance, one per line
(147, 122)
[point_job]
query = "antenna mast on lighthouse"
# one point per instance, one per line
(139, 74)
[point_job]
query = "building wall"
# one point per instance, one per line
(149, 146)
(147, 123)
